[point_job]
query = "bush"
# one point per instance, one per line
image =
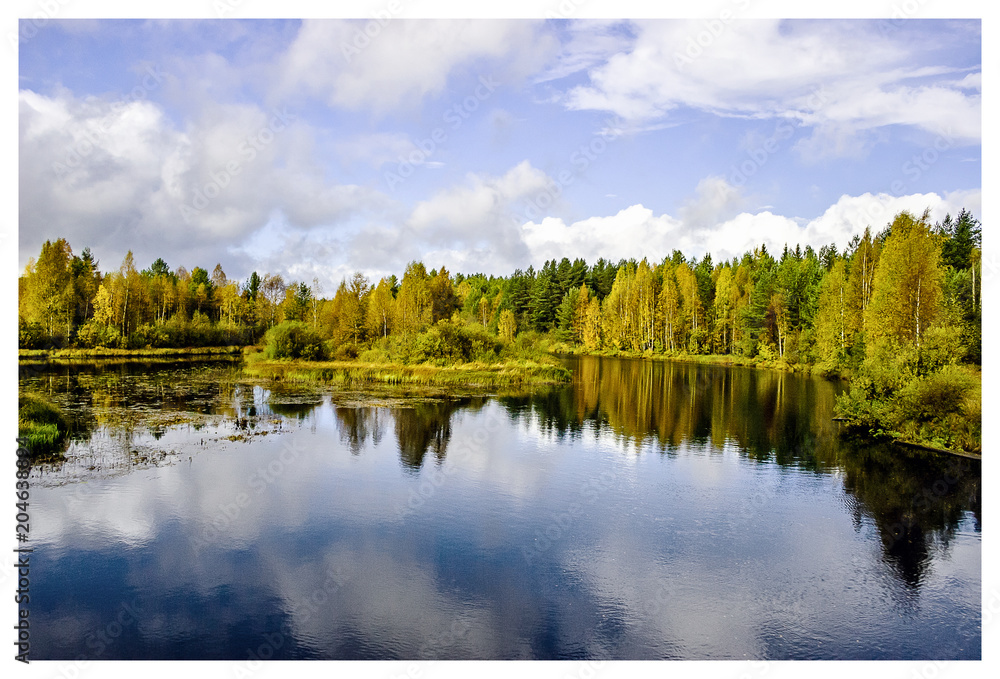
(886, 371)
(767, 351)
(890, 396)
(698, 342)
(294, 339)
(345, 352)
(94, 334)
(943, 407)
(941, 346)
(447, 342)
(30, 335)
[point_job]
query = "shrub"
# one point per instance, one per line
(941, 346)
(345, 352)
(886, 371)
(375, 355)
(943, 407)
(94, 334)
(30, 335)
(698, 342)
(294, 339)
(766, 351)
(449, 342)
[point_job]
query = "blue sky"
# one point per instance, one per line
(303, 149)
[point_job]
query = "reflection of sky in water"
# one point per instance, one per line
(503, 539)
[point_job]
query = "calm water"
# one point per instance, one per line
(648, 510)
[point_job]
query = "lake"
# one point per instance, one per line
(648, 510)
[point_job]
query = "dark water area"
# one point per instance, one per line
(648, 510)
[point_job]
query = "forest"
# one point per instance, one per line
(898, 311)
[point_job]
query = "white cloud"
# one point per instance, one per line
(633, 232)
(406, 60)
(839, 78)
(119, 175)
(637, 232)
(973, 81)
(379, 148)
(481, 211)
(714, 199)
(590, 42)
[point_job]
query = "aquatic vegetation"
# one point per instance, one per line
(359, 374)
(41, 426)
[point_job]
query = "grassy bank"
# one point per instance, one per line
(702, 359)
(358, 374)
(41, 427)
(103, 352)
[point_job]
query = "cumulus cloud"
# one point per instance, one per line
(239, 158)
(241, 184)
(379, 148)
(839, 79)
(714, 199)
(117, 175)
(404, 61)
(476, 224)
(637, 232)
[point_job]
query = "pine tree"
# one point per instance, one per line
(545, 298)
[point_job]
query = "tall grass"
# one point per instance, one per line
(41, 425)
(361, 374)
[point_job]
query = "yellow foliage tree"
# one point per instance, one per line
(507, 325)
(906, 290)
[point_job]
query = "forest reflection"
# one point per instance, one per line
(424, 427)
(915, 501)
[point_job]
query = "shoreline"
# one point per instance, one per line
(459, 378)
(45, 355)
(726, 360)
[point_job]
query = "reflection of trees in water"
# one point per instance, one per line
(298, 408)
(915, 501)
(422, 427)
(768, 414)
(355, 425)
(427, 426)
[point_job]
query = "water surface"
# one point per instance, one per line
(648, 510)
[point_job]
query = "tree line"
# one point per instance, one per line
(913, 284)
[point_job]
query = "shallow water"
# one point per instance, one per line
(648, 510)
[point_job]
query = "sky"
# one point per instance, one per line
(316, 148)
